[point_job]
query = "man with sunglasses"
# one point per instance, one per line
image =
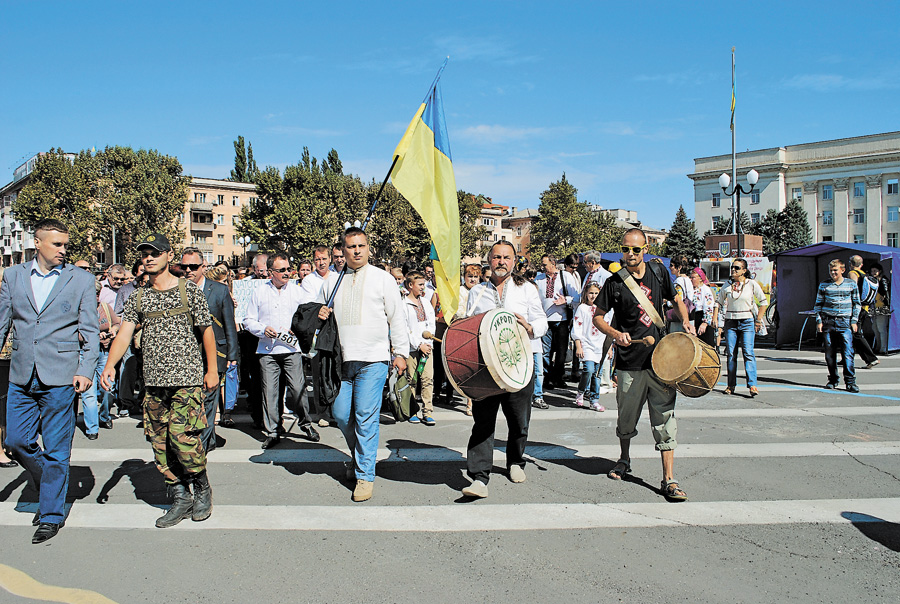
(560, 292)
(112, 284)
(221, 310)
(269, 314)
(637, 382)
(170, 310)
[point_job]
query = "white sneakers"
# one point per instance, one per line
(516, 474)
(476, 489)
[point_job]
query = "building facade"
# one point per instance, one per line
(848, 187)
(211, 214)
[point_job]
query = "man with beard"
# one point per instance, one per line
(509, 291)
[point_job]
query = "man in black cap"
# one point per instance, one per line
(168, 311)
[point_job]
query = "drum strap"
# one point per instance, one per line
(641, 297)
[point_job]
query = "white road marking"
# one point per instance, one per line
(482, 516)
(325, 454)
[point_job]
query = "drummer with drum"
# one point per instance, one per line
(636, 295)
(509, 291)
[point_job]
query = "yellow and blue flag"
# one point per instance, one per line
(423, 174)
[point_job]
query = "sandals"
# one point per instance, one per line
(754, 391)
(671, 491)
(622, 467)
(727, 391)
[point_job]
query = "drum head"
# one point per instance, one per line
(675, 357)
(506, 350)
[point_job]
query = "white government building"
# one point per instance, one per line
(848, 187)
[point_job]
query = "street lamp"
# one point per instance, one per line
(244, 241)
(724, 181)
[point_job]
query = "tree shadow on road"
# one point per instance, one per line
(425, 471)
(876, 529)
(280, 456)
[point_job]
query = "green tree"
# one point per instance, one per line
(565, 225)
(471, 231)
(240, 172)
(724, 228)
(66, 190)
(784, 230)
(137, 192)
(683, 238)
(252, 170)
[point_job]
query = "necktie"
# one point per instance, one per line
(550, 283)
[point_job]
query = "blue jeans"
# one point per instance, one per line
(538, 375)
(51, 410)
(593, 375)
(746, 329)
(356, 410)
(839, 338)
(231, 387)
(95, 410)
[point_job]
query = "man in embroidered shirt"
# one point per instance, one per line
(511, 292)
(269, 314)
(169, 311)
(837, 315)
(372, 328)
(559, 293)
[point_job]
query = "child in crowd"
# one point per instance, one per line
(420, 318)
(589, 348)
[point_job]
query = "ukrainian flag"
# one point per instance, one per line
(423, 174)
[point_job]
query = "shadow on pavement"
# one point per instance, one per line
(423, 472)
(147, 482)
(876, 529)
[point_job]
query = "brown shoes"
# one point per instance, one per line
(363, 490)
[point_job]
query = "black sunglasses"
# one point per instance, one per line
(154, 253)
(280, 271)
(190, 267)
(634, 249)
(737, 267)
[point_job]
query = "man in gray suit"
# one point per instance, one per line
(48, 305)
(221, 308)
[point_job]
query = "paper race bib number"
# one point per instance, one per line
(289, 339)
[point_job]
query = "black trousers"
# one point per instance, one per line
(517, 409)
(555, 359)
(860, 339)
(250, 378)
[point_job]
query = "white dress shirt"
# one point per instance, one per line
(599, 276)
(275, 308)
(312, 284)
(522, 299)
(572, 293)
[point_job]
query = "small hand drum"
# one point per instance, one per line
(687, 363)
(488, 354)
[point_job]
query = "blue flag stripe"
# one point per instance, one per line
(434, 119)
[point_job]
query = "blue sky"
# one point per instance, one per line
(621, 96)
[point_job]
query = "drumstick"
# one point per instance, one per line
(646, 341)
(430, 336)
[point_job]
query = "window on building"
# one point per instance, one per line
(495, 237)
(892, 239)
(717, 200)
(519, 248)
(518, 231)
(827, 217)
(220, 239)
(827, 192)
(487, 221)
(859, 215)
(101, 257)
(220, 200)
(715, 221)
(200, 197)
(220, 219)
(202, 238)
(797, 193)
(859, 189)
(892, 186)
(893, 213)
(859, 239)
(235, 220)
(234, 240)
(208, 256)
(221, 258)
(253, 200)
(182, 217)
(754, 218)
(234, 200)
(826, 237)
(754, 197)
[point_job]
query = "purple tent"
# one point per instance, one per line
(798, 273)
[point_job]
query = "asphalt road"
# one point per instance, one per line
(794, 495)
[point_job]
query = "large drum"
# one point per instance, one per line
(488, 354)
(686, 362)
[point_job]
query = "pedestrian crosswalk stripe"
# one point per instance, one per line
(324, 454)
(482, 516)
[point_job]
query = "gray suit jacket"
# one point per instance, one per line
(221, 308)
(48, 339)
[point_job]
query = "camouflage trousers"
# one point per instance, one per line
(173, 421)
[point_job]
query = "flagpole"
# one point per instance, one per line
(736, 219)
(330, 302)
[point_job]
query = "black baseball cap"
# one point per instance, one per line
(156, 241)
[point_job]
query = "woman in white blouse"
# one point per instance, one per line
(704, 307)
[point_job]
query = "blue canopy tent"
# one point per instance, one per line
(798, 273)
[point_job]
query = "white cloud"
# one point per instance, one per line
(220, 171)
(300, 130)
(826, 82)
(195, 141)
(492, 134)
(688, 77)
(485, 49)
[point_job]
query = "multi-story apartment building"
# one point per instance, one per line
(848, 187)
(211, 215)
